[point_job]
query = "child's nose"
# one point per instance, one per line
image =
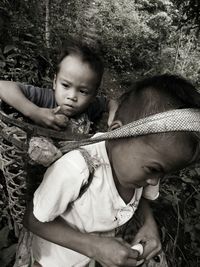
(153, 180)
(72, 95)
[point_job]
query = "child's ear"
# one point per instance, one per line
(54, 82)
(115, 124)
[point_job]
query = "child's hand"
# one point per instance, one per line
(49, 118)
(114, 252)
(148, 235)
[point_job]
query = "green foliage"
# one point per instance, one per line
(7, 239)
(178, 214)
(13, 63)
(24, 65)
(190, 13)
(188, 63)
(138, 37)
(141, 37)
(125, 34)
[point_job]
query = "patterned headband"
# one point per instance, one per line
(169, 121)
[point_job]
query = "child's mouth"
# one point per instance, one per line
(69, 107)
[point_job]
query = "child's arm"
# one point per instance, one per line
(105, 250)
(11, 93)
(61, 186)
(112, 108)
(148, 233)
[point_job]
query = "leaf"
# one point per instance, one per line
(8, 48)
(4, 237)
(193, 172)
(2, 64)
(198, 171)
(29, 35)
(12, 55)
(29, 43)
(1, 55)
(188, 180)
(197, 202)
(188, 228)
(47, 79)
(197, 226)
(197, 196)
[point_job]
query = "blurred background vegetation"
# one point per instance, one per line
(136, 38)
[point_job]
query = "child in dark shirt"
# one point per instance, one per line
(75, 86)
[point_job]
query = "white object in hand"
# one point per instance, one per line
(139, 248)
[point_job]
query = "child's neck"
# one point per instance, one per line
(125, 193)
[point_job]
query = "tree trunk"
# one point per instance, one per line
(177, 50)
(47, 23)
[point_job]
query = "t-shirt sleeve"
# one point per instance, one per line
(97, 107)
(41, 97)
(60, 186)
(151, 192)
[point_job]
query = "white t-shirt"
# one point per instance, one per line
(99, 210)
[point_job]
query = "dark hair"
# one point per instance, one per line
(158, 94)
(86, 53)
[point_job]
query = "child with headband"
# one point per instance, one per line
(89, 193)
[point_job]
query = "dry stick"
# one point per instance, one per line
(47, 24)
(178, 247)
(89, 24)
(37, 130)
(177, 50)
(186, 55)
(177, 230)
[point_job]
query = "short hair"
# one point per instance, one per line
(87, 54)
(158, 94)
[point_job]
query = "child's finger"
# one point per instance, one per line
(61, 120)
(138, 247)
(131, 262)
(55, 127)
(133, 254)
(151, 248)
(56, 110)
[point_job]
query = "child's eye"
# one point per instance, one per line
(152, 170)
(65, 85)
(84, 92)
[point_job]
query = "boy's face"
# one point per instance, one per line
(137, 163)
(75, 85)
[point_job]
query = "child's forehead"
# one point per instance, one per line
(75, 57)
(74, 62)
(168, 147)
(72, 57)
(175, 145)
(174, 140)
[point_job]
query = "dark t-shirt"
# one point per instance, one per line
(45, 98)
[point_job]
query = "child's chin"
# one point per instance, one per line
(70, 113)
